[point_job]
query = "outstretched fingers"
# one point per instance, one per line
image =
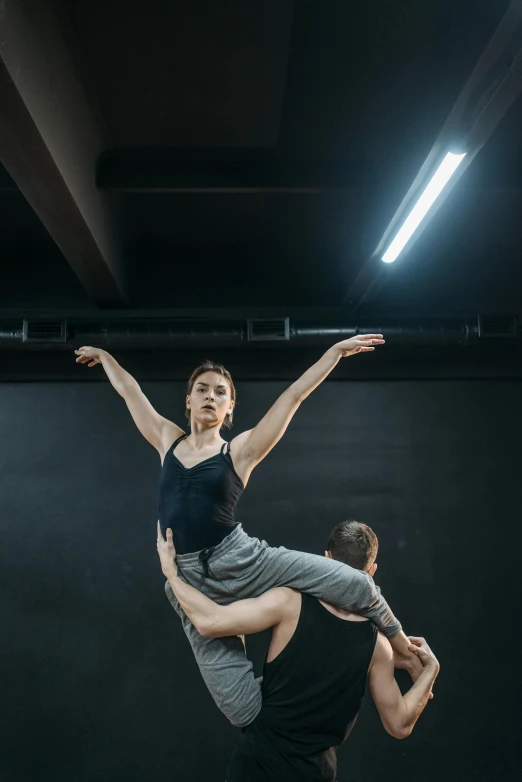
(371, 339)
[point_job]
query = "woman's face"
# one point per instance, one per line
(210, 399)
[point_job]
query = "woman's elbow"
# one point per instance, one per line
(294, 395)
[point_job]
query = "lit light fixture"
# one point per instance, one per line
(433, 189)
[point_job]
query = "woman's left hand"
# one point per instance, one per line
(362, 343)
(167, 553)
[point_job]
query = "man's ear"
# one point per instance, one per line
(328, 554)
(372, 570)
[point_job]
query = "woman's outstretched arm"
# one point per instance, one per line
(250, 447)
(159, 431)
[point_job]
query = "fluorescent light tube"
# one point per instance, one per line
(433, 189)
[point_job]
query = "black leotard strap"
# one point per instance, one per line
(225, 448)
(174, 444)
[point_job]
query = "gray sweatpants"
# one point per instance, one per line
(242, 567)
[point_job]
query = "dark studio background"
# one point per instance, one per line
(178, 180)
(100, 682)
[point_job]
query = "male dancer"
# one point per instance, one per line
(315, 671)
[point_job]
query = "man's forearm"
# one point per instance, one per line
(417, 697)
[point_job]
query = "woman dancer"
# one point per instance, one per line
(201, 481)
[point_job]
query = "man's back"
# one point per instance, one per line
(316, 668)
(312, 693)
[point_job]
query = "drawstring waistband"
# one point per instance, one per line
(204, 557)
(233, 539)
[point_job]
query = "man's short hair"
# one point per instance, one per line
(354, 544)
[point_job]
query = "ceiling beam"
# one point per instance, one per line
(49, 143)
(219, 171)
(238, 170)
(6, 183)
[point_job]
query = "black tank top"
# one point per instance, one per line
(312, 693)
(198, 503)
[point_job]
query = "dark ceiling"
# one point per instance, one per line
(342, 100)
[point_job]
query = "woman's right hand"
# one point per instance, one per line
(167, 553)
(89, 355)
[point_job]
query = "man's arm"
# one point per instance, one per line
(213, 620)
(398, 712)
(243, 617)
(403, 657)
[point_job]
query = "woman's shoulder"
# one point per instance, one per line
(170, 434)
(239, 444)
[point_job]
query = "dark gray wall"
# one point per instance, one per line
(100, 683)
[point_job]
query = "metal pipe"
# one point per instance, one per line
(11, 335)
(164, 334)
(155, 334)
(436, 331)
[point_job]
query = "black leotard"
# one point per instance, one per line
(198, 503)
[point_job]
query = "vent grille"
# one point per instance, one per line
(45, 331)
(497, 326)
(268, 329)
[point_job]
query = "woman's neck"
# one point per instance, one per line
(203, 436)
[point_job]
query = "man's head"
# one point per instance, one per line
(354, 544)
